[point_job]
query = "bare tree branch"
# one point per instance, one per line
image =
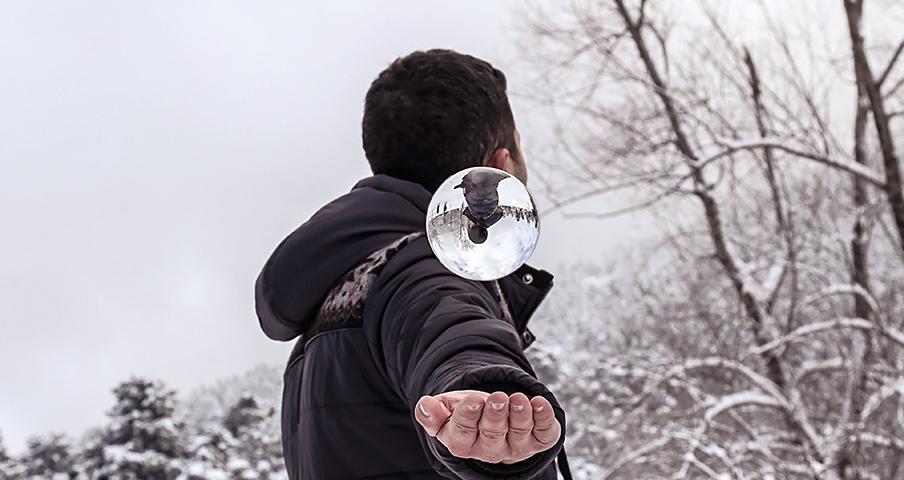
(893, 184)
(845, 165)
(890, 65)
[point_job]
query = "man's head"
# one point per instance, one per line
(481, 191)
(431, 114)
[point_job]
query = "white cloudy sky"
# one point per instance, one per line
(153, 153)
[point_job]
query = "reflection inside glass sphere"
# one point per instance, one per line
(482, 223)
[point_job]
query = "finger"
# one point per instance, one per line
(452, 399)
(521, 422)
(431, 414)
(493, 427)
(546, 427)
(460, 433)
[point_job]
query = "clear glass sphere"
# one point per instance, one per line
(482, 223)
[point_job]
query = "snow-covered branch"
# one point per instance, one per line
(763, 291)
(809, 367)
(880, 440)
(884, 393)
(756, 379)
(739, 399)
(845, 289)
(727, 147)
(635, 455)
(809, 329)
(817, 327)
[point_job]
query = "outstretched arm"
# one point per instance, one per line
(448, 353)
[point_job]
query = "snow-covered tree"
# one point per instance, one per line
(141, 440)
(10, 469)
(49, 457)
(234, 433)
(209, 454)
(244, 416)
(256, 452)
(219, 432)
(4, 456)
(211, 403)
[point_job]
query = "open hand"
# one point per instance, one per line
(494, 428)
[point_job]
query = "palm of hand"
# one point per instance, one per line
(494, 428)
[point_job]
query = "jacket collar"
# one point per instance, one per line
(414, 193)
(525, 289)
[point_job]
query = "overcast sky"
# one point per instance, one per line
(154, 153)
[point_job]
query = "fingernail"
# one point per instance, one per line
(421, 406)
(497, 406)
(538, 408)
(517, 408)
(473, 407)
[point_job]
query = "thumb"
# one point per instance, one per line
(431, 414)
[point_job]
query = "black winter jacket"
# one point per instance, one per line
(374, 340)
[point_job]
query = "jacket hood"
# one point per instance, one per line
(306, 265)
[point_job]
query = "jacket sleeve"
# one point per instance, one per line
(272, 322)
(438, 333)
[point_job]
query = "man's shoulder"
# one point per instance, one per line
(413, 262)
(415, 275)
(416, 262)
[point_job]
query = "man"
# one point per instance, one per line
(482, 197)
(402, 369)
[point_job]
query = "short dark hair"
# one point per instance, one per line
(432, 113)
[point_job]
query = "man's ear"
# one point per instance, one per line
(500, 159)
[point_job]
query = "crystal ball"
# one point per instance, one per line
(482, 223)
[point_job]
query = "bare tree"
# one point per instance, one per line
(790, 246)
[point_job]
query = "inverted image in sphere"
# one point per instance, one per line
(482, 223)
